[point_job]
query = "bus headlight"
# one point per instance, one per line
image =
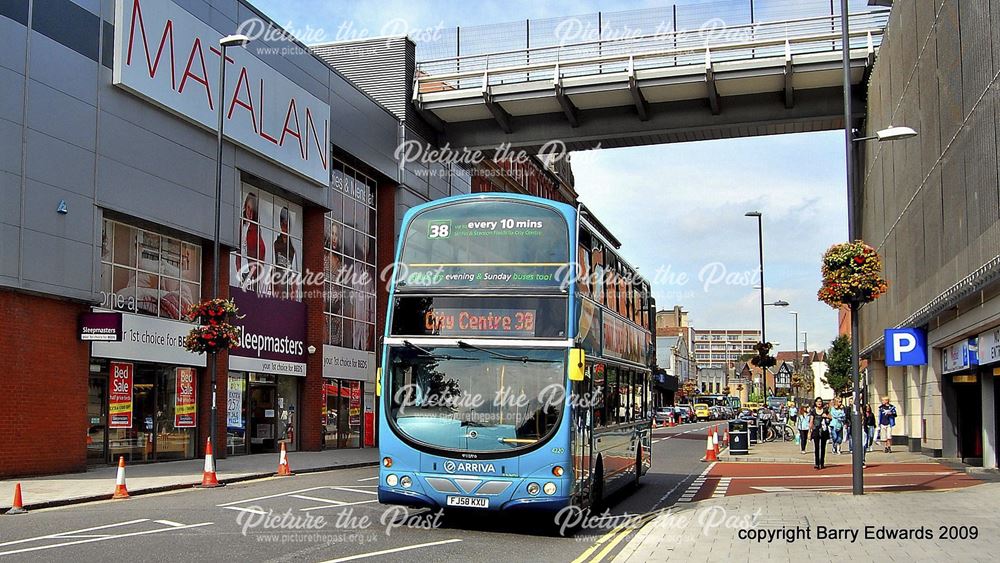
(532, 489)
(387, 461)
(549, 488)
(405, 481)
(391, 480)
(557, 471)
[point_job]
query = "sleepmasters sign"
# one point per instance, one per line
(485, 244)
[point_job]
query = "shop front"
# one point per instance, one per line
(348, 391)
(142, 402)
(267, 369)
(989, 371)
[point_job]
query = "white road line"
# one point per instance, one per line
(350, 490)
(242, 509)
(337, 505)
(394, 550)
(103, 538)
(696, 485)
(375, 478)
(318, 499)
(170, 523)
(73, 532)
(272, 496)
(848, 475)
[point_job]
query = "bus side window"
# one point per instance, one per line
(611, 395)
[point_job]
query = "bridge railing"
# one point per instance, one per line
(671, 48)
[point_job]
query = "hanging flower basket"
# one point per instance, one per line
(852, 274)
(215, 331)
(763, 359)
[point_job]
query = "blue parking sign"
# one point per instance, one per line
(905, 347)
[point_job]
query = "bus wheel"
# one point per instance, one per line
(597, 489)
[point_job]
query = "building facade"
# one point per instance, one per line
(715, 348)
(107, 178)
(929, 204)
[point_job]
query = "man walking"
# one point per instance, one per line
(886, 420)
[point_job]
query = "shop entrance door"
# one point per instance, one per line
(970, 421)
(97, 421)
(263, 416)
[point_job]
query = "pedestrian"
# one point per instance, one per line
(848, 428)
(819, 431)
(838, 415)
(869, 424)
(886, 420)
(802, 424)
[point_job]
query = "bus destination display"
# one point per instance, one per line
(480, 322)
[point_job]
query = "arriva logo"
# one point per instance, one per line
(451, 467)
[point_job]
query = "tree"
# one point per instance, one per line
(725, 390)
(838, 375)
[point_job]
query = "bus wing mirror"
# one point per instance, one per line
(576, 362)
(378, 382)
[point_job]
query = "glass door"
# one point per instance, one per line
(97, 420)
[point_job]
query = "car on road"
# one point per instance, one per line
(702, 412)
(681, 415)
(663, 415)
(689, 415)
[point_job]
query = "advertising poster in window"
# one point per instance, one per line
(269, 260)
(355, 403)
(185, 413)
(234, 403)
(120, 395)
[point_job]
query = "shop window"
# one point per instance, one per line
(269, 260)
(148, 273)
(350, 260)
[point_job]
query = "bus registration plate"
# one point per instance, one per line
(469, 502)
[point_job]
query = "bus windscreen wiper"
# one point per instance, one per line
(501, 356)
(425, 352)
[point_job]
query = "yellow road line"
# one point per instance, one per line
(615, 536)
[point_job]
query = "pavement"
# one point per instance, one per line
(953, 525)
(790, 452)
(99, 483)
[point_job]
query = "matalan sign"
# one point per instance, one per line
(168, 56)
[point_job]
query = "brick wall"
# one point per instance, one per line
(43, 406)
(311, 399)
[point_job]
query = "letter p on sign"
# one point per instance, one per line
(905, 347)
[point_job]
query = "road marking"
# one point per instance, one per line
(722, 487)
(695, 485)
(100, 538)
(338, 505)
(73, 532)
(393, 550)
(319, 499)
(827, 488)
(848, 475)
(170, 523)
(375, 478)
(272, 496)
(350, 490)
(242, 509)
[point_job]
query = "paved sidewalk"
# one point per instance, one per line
(790, 452)
(723, 529)
(99, 483)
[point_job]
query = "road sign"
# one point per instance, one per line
(905, 347)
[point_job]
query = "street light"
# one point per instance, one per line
(760, 248)
(778, 303)
(224, 43)
(889, 134)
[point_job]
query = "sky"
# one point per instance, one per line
(678, 209)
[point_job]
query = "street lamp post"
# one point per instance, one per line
(889, 134)
(225, 42)
(760, 251)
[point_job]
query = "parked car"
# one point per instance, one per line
(702, 412)
(681, 415)
(689, 415)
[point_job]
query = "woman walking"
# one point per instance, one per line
(837, 422)
(869, 424)
(802, 424)
(819, 430)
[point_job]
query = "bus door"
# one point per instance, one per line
(582, 414)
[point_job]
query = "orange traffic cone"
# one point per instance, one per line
(715, 439)
(710, 454)
(725, 436)
(208, 479)
(18, 507)
(283, 469)
(120, 490)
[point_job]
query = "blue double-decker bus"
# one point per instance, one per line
(516, 359)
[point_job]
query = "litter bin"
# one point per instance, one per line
(754, 432)
(739, 437)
